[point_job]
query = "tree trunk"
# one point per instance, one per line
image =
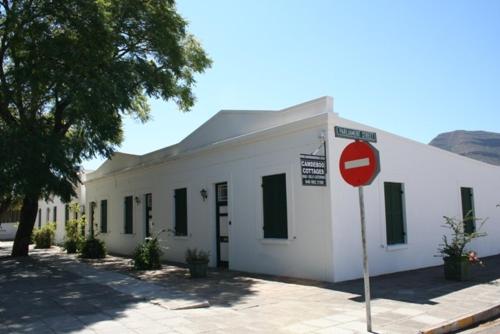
(25, 228)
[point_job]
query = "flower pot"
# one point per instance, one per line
(198, 269)
(456, 268)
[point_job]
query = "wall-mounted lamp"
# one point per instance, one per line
(137, 200)
(204, 194)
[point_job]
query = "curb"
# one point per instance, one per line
(463, 321)
(180, 306)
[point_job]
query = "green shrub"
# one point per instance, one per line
(455, 245)
(71, 246)
(147, 255)
(73, 240)
(93, 248)
(44, 236)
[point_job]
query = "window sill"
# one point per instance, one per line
(180, 237)
(271, 241)
(396, 247)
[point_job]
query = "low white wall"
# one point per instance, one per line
(8, 231)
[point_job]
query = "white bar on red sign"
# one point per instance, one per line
(357, 163)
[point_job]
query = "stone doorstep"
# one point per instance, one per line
(463, 321)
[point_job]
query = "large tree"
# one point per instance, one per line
(70, 70)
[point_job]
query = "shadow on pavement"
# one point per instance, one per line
(421, 286)
(37, 298)
(225, 288)
(41, 297)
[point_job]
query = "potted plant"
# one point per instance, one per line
(456, 256)
(197, 262)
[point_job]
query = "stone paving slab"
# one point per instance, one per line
(52, 292)
(160, 295)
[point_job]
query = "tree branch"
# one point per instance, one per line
(4, 109)
(59, 108)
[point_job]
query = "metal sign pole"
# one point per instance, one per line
(366, 275)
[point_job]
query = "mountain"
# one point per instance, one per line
(480, 145)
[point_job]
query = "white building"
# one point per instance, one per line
(234, 187)
(56, 211)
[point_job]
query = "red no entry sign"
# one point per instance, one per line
(359, 163)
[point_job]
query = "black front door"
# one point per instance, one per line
(222, 224)
(148, 219)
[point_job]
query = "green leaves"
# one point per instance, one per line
(455, 245)
(71, 70)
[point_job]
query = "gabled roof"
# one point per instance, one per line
(118, 161)
(223, 126)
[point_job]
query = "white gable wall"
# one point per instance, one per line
(307, 251)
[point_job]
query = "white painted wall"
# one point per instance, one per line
(324, 240)
(307, 251)
(8, 231)
(46, 208)
(432, 179)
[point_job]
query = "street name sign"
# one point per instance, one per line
(347, 133)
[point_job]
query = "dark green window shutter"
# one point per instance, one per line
(468, 209)
(394, 215)
(104, 216)
(54, 215)
(129, 215)
(66, 214)
(39, 218)
(181, 211)
(275, 206)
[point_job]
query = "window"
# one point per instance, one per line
(275, 206)
(148, 213)
(222, 192)
(54, 214)
(128, 214)
(92, 217)
(39, 218)
(468, 209)
(104, 216)
(47, 215)
(394, 213)
(180, 196)
(66, 214)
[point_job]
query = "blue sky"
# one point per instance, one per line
(414, 68)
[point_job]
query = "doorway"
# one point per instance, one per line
(222, 224)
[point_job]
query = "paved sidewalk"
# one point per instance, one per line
(52, 292)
